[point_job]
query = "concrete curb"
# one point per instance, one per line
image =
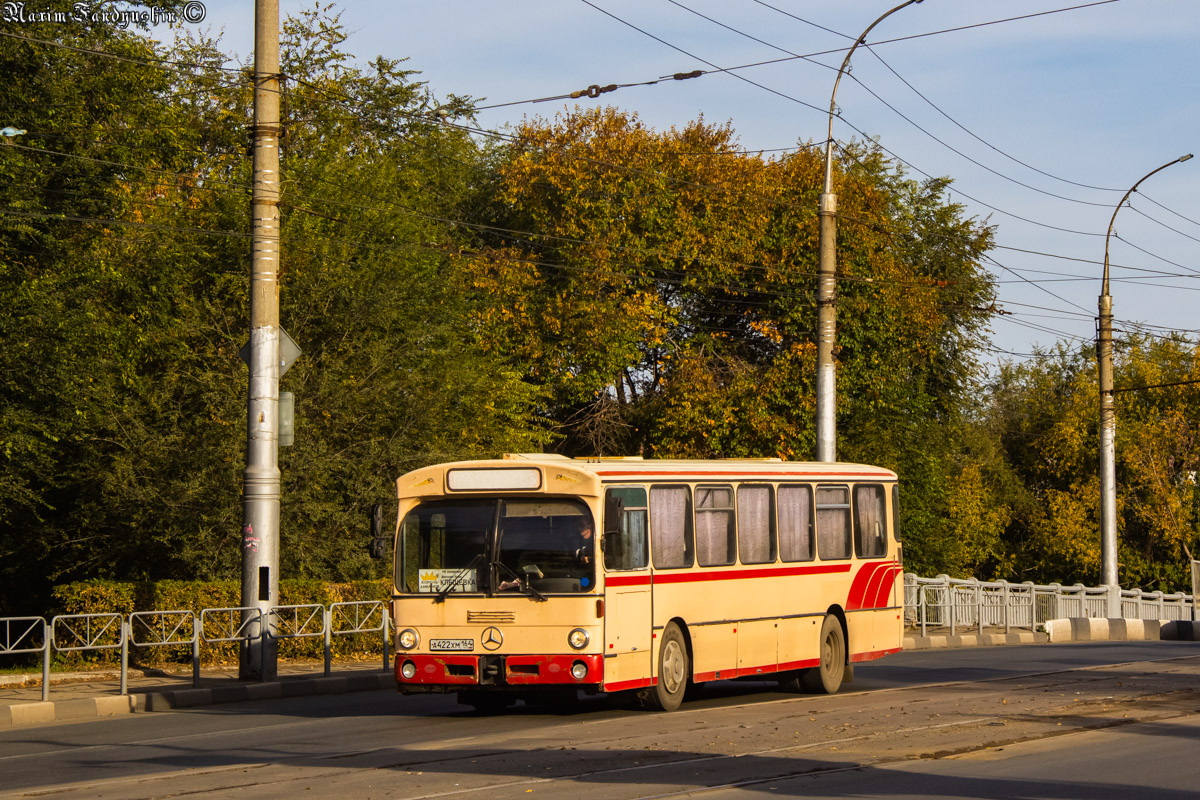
(1121, 630)
(973, 640)
(40, 713)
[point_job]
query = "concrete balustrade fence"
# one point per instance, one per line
(961, 605)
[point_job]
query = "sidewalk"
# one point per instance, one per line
(84, 695)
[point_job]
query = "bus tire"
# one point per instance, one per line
(826, 677)
(674, 672)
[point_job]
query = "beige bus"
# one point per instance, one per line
(536, 576)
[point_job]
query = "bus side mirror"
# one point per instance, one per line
(378, 544)
(614, 523)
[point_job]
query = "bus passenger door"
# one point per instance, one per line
(627, 590)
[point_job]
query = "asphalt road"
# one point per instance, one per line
(1058, 721)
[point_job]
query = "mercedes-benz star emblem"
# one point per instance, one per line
(491, 638)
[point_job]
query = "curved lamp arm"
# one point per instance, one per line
(1132, 189)
(833, 97)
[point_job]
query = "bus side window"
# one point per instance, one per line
(795, 523)
(715, 542)
(870, 532)
(630, 548)
(833, 522)
(896, 511)
(671, 526)
(756, 524)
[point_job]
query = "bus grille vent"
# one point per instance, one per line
(491, 617)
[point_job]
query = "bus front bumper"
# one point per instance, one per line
(434, 673)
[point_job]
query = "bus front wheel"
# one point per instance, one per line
(826, 678)
(674, 672)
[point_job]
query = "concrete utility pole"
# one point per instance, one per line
(260, 492)
(1108, 422)
(827, 280)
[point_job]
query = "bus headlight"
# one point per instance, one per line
(579, 670)
(408, 639)
(409, 670)
(578, 639)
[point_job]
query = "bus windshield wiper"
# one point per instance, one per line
(472, 564)
(525, 585)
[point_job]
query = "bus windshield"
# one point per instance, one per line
(531, 545)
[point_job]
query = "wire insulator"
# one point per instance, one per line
(594, 91)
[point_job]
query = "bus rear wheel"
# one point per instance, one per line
(826, 677)
(674, 672)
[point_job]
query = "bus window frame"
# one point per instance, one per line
(848, 507)
(812, 521)
(689, 534)
(895, 513)
(731, 529)
(625, 511)
(772, 527)
(883, 520)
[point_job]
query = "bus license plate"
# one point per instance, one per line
(452, 644)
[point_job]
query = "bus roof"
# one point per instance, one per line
(556, 474)
(613, 470)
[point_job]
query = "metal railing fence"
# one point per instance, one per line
(24, 635)
(959, 604)
(185, 628)
(942, 602)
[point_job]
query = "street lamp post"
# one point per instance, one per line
(260, 484)
(1108, 421)
(827, 279)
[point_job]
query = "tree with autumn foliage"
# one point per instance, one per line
(661, 287)
(1044, 414)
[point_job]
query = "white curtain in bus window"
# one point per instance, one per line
(795, 523)
(715, 544)
(671, 526)
(869, 539)
(833, 522)
(637, 550)
(756, 534)
(631, 550)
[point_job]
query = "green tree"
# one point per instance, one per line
(125, 272)
(66, 334)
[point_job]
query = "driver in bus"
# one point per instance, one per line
(583, 551)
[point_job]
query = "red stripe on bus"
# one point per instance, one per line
(621, 686)
(858, 658)
(750, 672)
(627, 580)
(554, 669)
(740, 574)
(858, 589)
(788, 473)
(868, 596)
(886, 581)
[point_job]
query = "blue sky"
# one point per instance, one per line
(1098, 95)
